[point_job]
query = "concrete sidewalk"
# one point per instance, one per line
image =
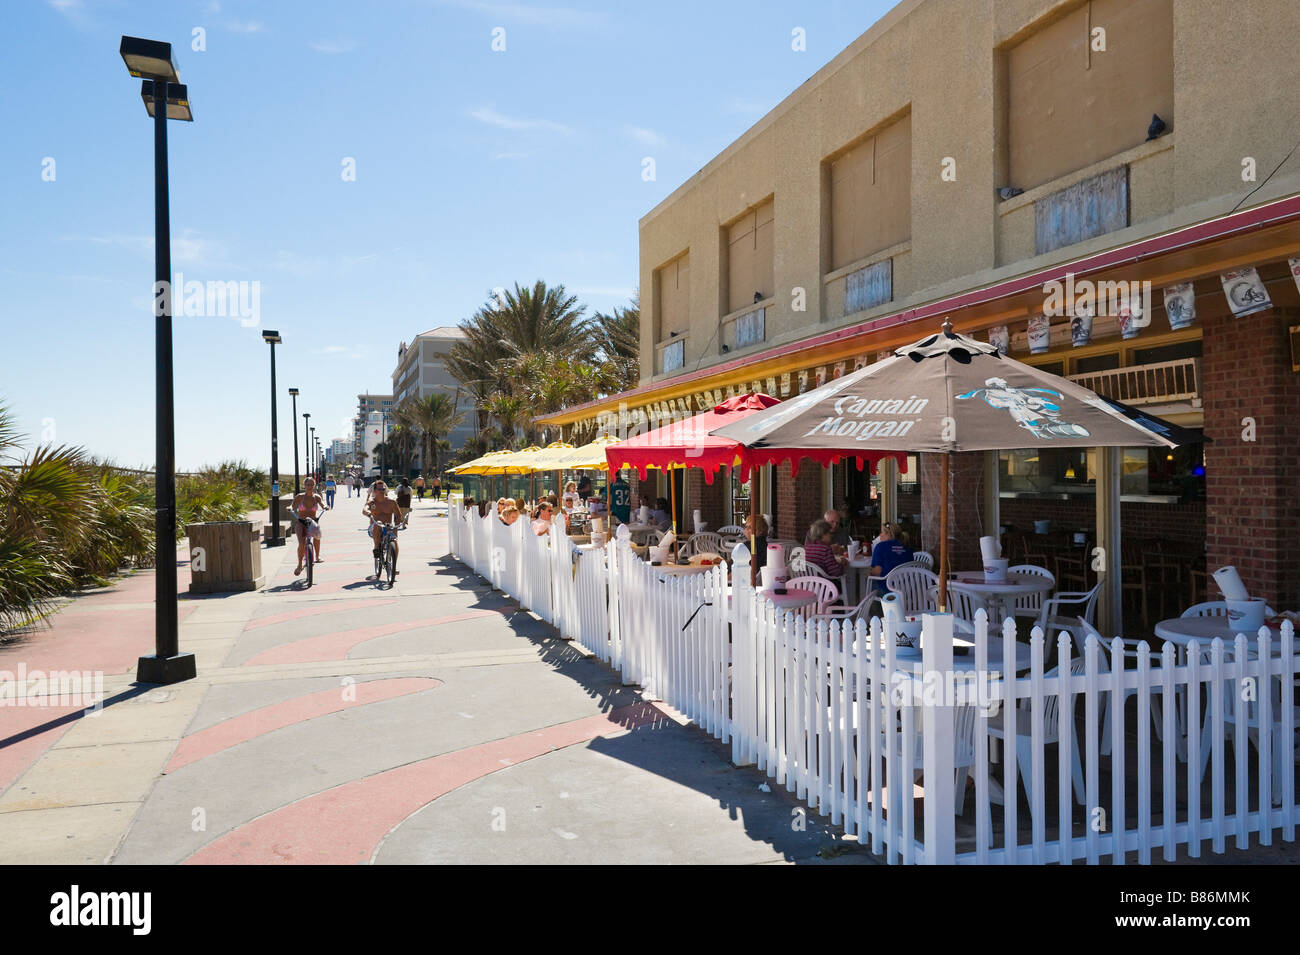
(434, 722)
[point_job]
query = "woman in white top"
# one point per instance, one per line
(571, 499)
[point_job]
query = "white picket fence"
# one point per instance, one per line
(884, 745)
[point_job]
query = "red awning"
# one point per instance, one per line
(688, 444)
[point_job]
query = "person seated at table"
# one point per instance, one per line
(509, 515)
(819, 551)
(542, 519)
(584, 489)
(660, 516)
(596, 506)
(839, 530)
(889, 552)
(571, 498)
(756, 532)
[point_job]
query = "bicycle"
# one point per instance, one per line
(386, 561)
(309, 552)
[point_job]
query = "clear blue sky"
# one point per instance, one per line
(474, 169)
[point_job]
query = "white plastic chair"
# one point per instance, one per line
(826, 590)
(798, 564)
(1132, 651)
(924, 558)
(915, 586)
(963, 604)
(704, 542)
(1029, 605)
(1051, 734)
(1062, 613)
(731, 535)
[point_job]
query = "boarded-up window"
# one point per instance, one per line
(869, 287)
(750, 254)
(871, 194)
(1070, 105)
(1089, 208)
(672, 297)
(751, 328)
(674, 356)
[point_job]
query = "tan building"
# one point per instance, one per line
(422, 370)
(962, 158)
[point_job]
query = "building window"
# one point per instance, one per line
(871, 194)
(1069, 106)
(1082, 211)
(869, 287)
(750, 256)
(674, 355)
(672, 300)
(751, 329)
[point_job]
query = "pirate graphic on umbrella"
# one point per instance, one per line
(1031, 408)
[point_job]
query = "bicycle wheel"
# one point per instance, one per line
(311, 559)
(391, 556)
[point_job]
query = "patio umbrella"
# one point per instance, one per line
(943, 394)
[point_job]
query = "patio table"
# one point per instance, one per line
(994, 595)
(1181, 631)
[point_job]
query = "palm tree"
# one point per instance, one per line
(432, 417)
(618, 341)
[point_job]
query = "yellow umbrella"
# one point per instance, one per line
(589, 457)
(480, 464)
(513, 462)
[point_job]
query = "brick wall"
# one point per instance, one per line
(798, 500)
(708, 498)
(1252, 481)
(965, 507)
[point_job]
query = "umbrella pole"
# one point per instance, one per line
(943, 535)
(672, 491)
(753, 527)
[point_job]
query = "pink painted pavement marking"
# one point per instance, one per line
(344, 825)
(268, 719)
(339, 607)
(337, 646)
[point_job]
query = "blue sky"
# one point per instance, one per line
(474, 168)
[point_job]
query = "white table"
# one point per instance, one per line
(681, 570)
(795, 598)
(1181, 631)
(994, 595)
(855, 571)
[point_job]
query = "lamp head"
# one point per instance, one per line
(273, 338)
(149, 58)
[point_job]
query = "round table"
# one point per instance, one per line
(681, 570)
(1016, 585)
(794, 598)
(1181, 631)
(853, 576)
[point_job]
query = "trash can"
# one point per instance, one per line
(225, 556)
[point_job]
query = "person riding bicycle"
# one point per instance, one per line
(307, 507)
(382, 510)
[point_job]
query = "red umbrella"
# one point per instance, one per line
(688, 444)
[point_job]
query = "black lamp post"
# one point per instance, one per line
(297, 488)
(314, 464)
(306, 442)
(164, 98)
(272, 338)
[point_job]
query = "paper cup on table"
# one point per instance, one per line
(1230, 584)
(643, 515)
(990, 549)
(995, 570)
(766, 574)
(1246, 616)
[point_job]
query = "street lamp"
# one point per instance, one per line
(306, 442)
(272, 338)
(165, 98)
(293, 393)
(314, 464)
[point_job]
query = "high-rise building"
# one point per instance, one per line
(422, 370)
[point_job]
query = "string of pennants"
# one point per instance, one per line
(1129, 305)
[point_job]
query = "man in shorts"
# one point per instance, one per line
(382, 510)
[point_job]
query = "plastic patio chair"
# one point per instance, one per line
(827, 591)
(1029, 605)
(915, 586)
(1062, 613)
